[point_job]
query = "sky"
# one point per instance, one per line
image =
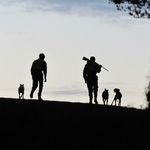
(65, 31)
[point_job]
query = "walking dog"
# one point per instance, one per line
(117, 97)
(21, 91)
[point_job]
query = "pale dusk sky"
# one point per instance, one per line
(66, 31)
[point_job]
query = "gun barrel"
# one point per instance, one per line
(105, 68)
(86, 59)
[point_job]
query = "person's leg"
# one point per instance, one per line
(40, 89)
(34, 86)
(95, 95)
(95, 90)
(89, 86)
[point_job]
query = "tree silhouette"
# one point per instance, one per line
(135, 8)
(147, 93)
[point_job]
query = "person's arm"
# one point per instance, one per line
(31, 70)
(84, 74)
(98, 68)
(45, 71)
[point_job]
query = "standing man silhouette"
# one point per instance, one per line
(91, 79)
(38, 70)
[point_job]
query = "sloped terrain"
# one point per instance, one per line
(31, 124)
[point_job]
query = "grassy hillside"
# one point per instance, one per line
(55, 125)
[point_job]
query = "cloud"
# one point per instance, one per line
(73, 89)
(69, 92)
(86, 7)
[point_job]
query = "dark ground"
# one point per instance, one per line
(30, 124)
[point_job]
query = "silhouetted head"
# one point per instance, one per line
(116, 90)
(92, 59)
(41, 56)
(21, 86)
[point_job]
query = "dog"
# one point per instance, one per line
(117, 97)
(21, 91)
(105, 97)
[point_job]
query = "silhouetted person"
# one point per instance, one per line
(117, 97)
(21, 91)
(38, 70)
(105, 97)
(89, 74)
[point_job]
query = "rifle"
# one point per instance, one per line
(86, 59)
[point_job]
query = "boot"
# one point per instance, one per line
(90, 100)
(39, 97)
(31, 94)
(96, 102)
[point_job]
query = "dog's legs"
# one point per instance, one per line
(103, 101)
(115, 102)
(22, 96)
(112, 102)
(106, 101)
(119, 104)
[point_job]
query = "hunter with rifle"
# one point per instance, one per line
(91, 79)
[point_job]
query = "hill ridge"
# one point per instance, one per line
(57, 125)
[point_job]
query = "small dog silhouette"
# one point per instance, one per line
(117, 97)
(105, 96)
(21, 91)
